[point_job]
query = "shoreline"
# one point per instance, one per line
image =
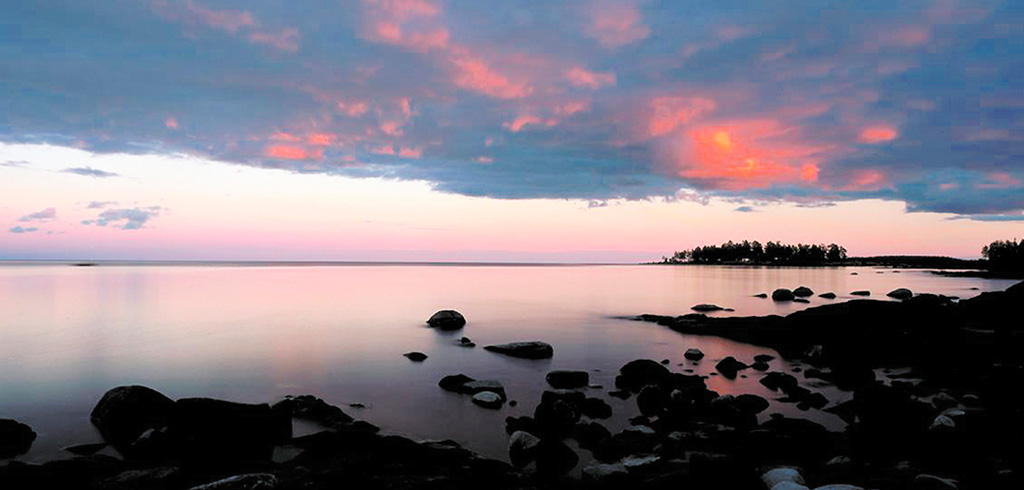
(684, 432)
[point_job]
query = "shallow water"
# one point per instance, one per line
(257, 333)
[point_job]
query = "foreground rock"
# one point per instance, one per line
(693, 354)
(125, 412)
(447, 320)
(901, 293)
(488, 399)
(524, 350)
(803, 292)
(15, 438)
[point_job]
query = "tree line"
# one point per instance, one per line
(1004, 255)
(753, 252)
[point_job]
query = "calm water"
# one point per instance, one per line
(255, 334)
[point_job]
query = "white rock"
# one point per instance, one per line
(781, 474)
(488, 399)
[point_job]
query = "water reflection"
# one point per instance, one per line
(258, 333)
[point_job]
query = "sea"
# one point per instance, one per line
(256, 332)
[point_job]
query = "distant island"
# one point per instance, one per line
(1000, 259)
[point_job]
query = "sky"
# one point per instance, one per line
(523, 131)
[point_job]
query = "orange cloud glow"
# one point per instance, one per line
(747, 154)
(286, 152)
(866, 180)
(878, 134)
(407, 152)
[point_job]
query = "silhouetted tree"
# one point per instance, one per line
(747, 252)
(1004, 254)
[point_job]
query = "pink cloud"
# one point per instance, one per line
(581, 77)
(285, 40)
(171, 123)
(903, 37)
(410, 24)
(321, 139)
(878, 134)
(517, 124)
(409, 152)
(391, 128)
(732, 33)
(288, 152)
(473, 73)
(615, 24)
(572, 107)
(668, 113)
(383, 150)
(353, 109)
(866, 180)
(1000, 180)
(483, 160)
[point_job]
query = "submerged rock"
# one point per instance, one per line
(465, 342)
(524, 350)
(828, 295)
(782, 294)
(125, 412)
(596, 408)
(15, 438)
(901, 293)
(761, 295)
(861, 293)
(481, 385)
(801, 300)
(567, 379)
(703, 307)
(415, 356)
(775, 381)
(454, 382)
(634, 375)
(447, 320)
(803, 292)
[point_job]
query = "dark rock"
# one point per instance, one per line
(465, 342)
(775, 381)
(932, 482)
(652, 400)
(86, 449)
(764, 357)
(216, 431)
(596, 408)
(311, 408)
(751, 403)
(620, 394)
(522, 448)
(815, 400)
(782, 294)
(252, 481)
(415, 356)
(524, 350)
(801, 300)
(861, 293)
(447, 320)
(15, 438)
(828, 295)
(558, 412)
(693, 354)
(481, 385)
(525, 423)
(144, 479)
(125, 412)
(703, 307)
(803, 292)
(555, 458)
(634, 375)
(761, 295)
(901, 293)
(454, 382)
(665, 362)
(729, 367)
(488, 399)
(566, 379)
(760, 366)
(590, 434)
(612, 475)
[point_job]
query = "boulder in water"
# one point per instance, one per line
(15, 438)
(901, 293)
(415, 356)
(567, 379)
(861, 293)
(447, 320)
(488, 399)
(829, 295)
(703, 307)
(524, 350)
(693, 354)
(803, 292)
(782, 294)
(729, 367)
(125, 412)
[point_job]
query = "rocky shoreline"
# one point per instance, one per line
(950, 418)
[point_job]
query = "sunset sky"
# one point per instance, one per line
(465, 130)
